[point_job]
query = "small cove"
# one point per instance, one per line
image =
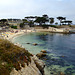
(60, 50)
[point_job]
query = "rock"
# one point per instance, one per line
(62, 56)
(51, 73)
(31, 69)
(44, 58)
(35, 44)
(4, 63)
(61, 73)
(27, 43)
(40, 55)
(40, 64)
(43, 51)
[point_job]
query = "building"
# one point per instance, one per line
(14, 22)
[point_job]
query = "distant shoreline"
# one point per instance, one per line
(10, 35)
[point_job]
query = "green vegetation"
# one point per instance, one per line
(32, 21)
(3, 21)
(21, 25)
(60, 18)
(51, 20)
(12, 56)
(53, 26)
(41, 20)
(15, 27)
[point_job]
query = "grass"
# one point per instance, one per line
(12, 56)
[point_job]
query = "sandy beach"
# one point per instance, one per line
(13, 33)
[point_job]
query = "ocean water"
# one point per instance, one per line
(60, 50)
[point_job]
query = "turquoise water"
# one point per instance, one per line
(60, 50)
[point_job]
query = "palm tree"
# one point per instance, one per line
(61, 18)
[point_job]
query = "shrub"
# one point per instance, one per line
(15, 27)
(53, 26)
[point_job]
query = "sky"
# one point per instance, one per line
(22, 8)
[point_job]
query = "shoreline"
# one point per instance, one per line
(10, 35)
(15, 32)
(37, 70)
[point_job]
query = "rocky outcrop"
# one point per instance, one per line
(36, 67)
(39, 64)
(40, 55)
(43, 51)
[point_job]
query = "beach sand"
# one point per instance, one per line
(10, 35)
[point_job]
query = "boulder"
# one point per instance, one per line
(4, 63)
(27, 43)
(35, 44)
(39, 63)
(43, 51)
(40, 55)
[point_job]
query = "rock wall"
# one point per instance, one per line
(36, 67)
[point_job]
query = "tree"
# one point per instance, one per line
(51, 20)
(41, 20)
(45, 16)
(25, 21)
(31, 20)
(21, 25)
(31, 23)
(67, 21)
(3, 21)
(61, 18)
(56, 23)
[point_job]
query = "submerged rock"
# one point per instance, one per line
(35, 44)
(60, 73)
(27, 43)
(51, 73)
(62, 56)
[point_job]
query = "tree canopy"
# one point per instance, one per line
(67, 21)
(61, 18)
(41, 20)
(51, 20)
(3, 20)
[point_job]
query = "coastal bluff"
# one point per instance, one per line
(15, 60)
(36, 67)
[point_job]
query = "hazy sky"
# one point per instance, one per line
(22, 8)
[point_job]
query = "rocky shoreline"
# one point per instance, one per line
(36, 67)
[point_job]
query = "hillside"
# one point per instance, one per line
(12, 56)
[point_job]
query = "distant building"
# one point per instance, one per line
(14, 22)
